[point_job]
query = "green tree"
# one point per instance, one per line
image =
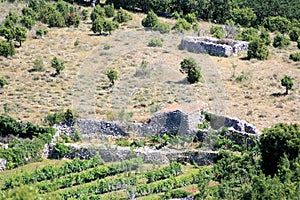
(109, 26)
(257, 49)
(122, 16)
(13, 17)
(181, 25)
(3, 82)
(294, 34)
(281, 41)
(265, 36)
(277, 23)
(29, 12)
(277, 141)
(58, 65)
(21, 34)
(151, 20)
(109, 10)
(190, 67)
(28, 22)
(287, 82)
(243, 16)
(248, 34)
(8, 32)
(7, 49)
(98, 11)
(112, 75)
(98, 25)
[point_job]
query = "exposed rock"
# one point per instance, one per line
(214, 46)
(3, 163)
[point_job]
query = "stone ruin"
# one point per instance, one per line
(213, 46)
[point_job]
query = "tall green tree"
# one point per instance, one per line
(21, 34)
(276, 142)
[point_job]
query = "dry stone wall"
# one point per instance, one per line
(213, 46)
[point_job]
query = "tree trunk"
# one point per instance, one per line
(286, 91)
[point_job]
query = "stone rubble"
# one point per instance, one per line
(213, 46)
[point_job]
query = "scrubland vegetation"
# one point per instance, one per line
(121, 57)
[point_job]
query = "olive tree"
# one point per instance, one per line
(21, 34)
(287, 82)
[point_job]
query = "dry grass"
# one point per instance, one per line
(83, 84)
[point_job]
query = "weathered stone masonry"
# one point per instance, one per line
(213, 46)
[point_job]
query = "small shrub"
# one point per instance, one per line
(58, 65)
(62, 150)
(106, 46)
(217, 32)
(3, 82)
(109, 10)
(294, 34)
(162, 28)
(155, 42)
(179, 193)
(295, 56)
(41, 32)
(257, 49)
(243, 77)
(76, 43)
(151, 20)
(122, 16)
(38, 65)
(281, 41)
(182, 25)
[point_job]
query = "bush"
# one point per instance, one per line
(155, 42)
(58, 65)
(179, 193)
(295, 56)
(109, 10)
(257, 49)
(7, 49)
(62, 150)
(294, 34)
(40, 32)
(277, 23)
(248, 34)
(276, 142)
(217, 32)
(151, 20)
(3, 82)
(190, 67)
(280, 41)
(162, 28)
(243, 16)
(122, 16)
(38, 65)
(182, 25)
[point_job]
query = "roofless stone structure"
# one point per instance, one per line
(213, 46)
